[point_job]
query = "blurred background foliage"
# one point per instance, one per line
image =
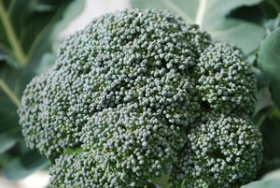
(28, 40)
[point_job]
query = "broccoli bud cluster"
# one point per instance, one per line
(225, 80)
(140, 94)
(222, 152)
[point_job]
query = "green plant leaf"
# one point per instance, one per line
(262, 79)
(23, 42)
(271, 8)
(271, 183)
(270, 130)
(27, 26)
(269, 166)
(9, 99)
(270, 180)
(269, 62)
(6, 142)
(263, 100)
(47, 61)
(212, 16)
(24, 165)
(272, 24)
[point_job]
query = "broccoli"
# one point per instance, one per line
(221, 152)
(224, 80)
(141, 94)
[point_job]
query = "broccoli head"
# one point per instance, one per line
(140, 94)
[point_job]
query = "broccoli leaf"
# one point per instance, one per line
(263, 100)
(9, 100)
(24, 165)
(271, 180)
(6, 142)
(269, 166)
(271, 132)
(270, 129)
(27, 27)
(213, 16)
(269, 61)
(271, 8)
(270, 183)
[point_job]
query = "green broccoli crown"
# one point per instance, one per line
(127, 97)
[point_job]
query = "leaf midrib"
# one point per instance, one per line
(17, 50)
(200, 12)
(9, 93)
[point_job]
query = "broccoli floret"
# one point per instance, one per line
(225, 150)
(132, 145)
(134, 142)
(79, 170)
(50, 121)
(225, 80)
(133, 97)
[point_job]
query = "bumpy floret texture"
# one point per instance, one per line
(127, 144)
(81, 170)
(50, 120)
(129, 99)
(139, 142)
(222, 151)
(225, 81)
(116, 60)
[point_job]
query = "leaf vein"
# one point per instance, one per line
(14, 42)
(9, 92)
